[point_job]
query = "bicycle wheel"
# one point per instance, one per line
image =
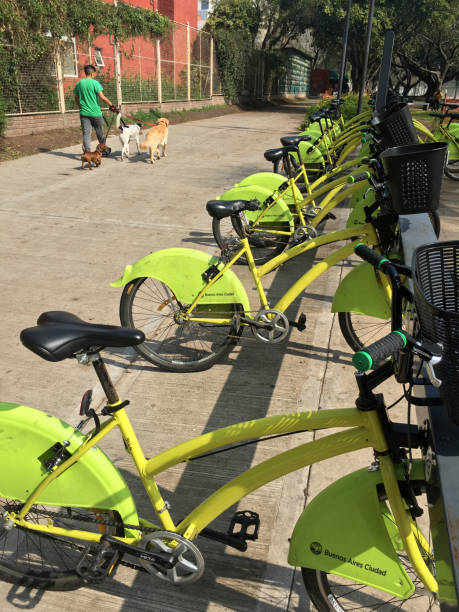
(172, 343)
(436, 224)
(46, 561)
(452, 170)
(331, 593)
(360, 331)
(264, 245)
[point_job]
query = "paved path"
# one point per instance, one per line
(66, 234)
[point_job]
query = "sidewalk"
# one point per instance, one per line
(68, 233)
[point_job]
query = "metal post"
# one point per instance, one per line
(158, 71)
(343, 56)
(384, 71)
(188, 62)
(367, 53)
(211, 67)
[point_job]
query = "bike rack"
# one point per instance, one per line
(441, 452)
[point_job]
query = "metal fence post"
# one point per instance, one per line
(188, 62)
(211, 67)
(158, 71)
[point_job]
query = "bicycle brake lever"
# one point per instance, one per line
(431, 372)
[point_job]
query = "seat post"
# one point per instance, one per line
(105, 380)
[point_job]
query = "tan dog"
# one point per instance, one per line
(156, 139)
(94, 157)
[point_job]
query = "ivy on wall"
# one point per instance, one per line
(32, 29)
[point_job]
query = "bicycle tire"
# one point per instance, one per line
(452, 170)
(264, 246)
(436, 223)
(34, 559)
(331, 593)
(360, 331)
(150, 305)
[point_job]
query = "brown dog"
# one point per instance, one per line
(94, 157)
(156, 139)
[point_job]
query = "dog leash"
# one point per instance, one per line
(140, 120)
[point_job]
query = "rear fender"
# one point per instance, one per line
(93, 481)
(361, 292)
(182, 269)
(272, 182)
(280, 212)
(346, 530)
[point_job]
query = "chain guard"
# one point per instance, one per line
(186, 559)
(279, 326)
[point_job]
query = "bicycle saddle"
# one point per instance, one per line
(225, 208)
(59, 335)
(273, 155)
(294, 140)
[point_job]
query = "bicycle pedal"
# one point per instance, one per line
(301, 323)
(244, 525)
(97, 563)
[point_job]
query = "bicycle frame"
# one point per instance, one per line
(366, 234)
(364, 430)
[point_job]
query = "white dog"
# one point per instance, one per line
(128, 132)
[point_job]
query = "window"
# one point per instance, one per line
(69, 59)
(98, 59)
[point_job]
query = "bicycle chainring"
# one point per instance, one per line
(278, 326)
(186, 559)
(304, 232)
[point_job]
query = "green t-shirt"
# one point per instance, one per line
(87, 90)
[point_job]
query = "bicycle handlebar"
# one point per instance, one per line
(375, 259)
(379, 351)
(356, 178)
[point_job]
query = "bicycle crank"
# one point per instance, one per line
(183, 562)
(271, 326)
(304, 232)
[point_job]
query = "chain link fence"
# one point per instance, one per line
(177, 68)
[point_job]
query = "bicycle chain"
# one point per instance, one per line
(106, 522)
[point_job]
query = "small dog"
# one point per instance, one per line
(94, 157)
(128, 132)
(156, 139)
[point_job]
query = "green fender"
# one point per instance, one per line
(357, 196)
(453, 150)
(361, 291)
(314, 133)
(357, 214)
(272, 182)
(182, 269)
(346, 530)
(280, 212)
(93, 482)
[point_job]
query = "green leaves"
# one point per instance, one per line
(32, 24)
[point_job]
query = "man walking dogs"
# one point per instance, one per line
(88, 91)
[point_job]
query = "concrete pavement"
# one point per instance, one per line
(66, 234)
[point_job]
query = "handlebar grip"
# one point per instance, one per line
(360, 176)
(367, 254)
(378, 351)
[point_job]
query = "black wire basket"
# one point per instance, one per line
(395, 126)
(436, 292)
(414, 174)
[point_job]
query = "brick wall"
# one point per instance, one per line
(28, 124)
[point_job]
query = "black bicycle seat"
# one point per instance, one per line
(225, 208)
(273, 155)
(59, 335)
(294, 140)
